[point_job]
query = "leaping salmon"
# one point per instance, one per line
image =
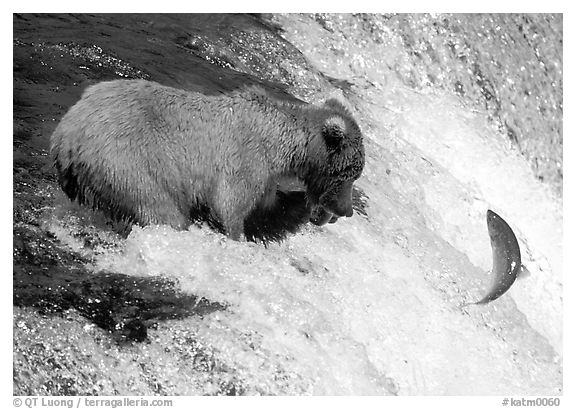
(506, 262)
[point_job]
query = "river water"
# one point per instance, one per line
(460, 114)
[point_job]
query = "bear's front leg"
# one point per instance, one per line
(233, 203)
(234, 229)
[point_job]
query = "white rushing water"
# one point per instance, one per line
(374, 304)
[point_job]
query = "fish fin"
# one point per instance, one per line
(523, 272)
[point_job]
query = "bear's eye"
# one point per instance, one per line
(352, 171)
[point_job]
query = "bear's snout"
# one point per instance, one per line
(340, 210)
(339, 200)
(344, 211)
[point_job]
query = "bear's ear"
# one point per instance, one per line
(333, 132)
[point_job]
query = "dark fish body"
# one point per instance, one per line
(506, 262)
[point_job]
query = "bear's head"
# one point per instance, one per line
(338, 162)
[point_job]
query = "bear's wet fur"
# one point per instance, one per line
(289, 213)
(144, 153)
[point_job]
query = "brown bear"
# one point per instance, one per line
(146, 153)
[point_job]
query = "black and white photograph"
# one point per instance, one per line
(287, 204)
